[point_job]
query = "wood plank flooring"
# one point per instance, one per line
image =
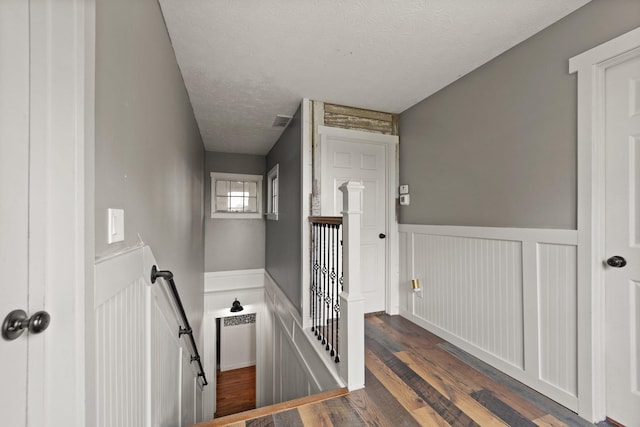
(414, 378)
(235, 391)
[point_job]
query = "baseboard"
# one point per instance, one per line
(237, 366)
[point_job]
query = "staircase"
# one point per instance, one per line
(265, 411)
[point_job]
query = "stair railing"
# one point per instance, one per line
(336, 301)
(326, 281)
(185, 328)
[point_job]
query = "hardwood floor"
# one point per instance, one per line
(235, 391)
(414, 378)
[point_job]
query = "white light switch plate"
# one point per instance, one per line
(404, 189)
(115, 218)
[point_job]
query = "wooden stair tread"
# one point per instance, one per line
(273, 409)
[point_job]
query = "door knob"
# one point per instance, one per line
(16, 322)
(616, 261)
(382, 235)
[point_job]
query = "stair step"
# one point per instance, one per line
(273, 409)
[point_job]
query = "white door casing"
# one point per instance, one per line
(622, 238)
(591, 67)
(348, 155)
(14, 193)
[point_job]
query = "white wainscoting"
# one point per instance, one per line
(221, 288)
(508, 296)
(300, 367)
(288, 363)
(144, 378)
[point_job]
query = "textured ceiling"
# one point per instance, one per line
(244, 61)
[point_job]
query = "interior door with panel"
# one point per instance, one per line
(14, 194)
(345, 159)
(622, 268)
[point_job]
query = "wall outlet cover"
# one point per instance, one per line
(115, 229)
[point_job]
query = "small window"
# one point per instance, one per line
(273, 192)
(236, 196)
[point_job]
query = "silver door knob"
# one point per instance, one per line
(616, 261)
(16, 322)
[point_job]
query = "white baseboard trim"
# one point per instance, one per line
(516, 373)
(237, 366)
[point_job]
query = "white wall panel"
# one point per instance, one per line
(557, 290)
(121, 358)
(166, 366)
(237, 342)
(294, 381)
(507, 296)
(144, 376)
(188, 392)
(300, 366)
(473, 288)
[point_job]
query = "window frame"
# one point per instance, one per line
(274, 174)
(224, 176)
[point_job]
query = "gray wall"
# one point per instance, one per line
(284, 245)
(149, 156)
(498, 147)
(233, 244)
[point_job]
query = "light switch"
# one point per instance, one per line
(115, 218)
(405, 199)
(404, 189)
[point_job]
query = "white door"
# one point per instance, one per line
(345, 159)
(622, 282)
(14, 197)
(42, 116)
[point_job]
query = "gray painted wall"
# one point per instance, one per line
(284, 245)
(498, 146)
(233, 244)
(149, 156)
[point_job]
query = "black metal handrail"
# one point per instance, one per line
(186, 329)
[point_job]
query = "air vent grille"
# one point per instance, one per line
(281, 121)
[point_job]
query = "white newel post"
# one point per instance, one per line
(351, 324)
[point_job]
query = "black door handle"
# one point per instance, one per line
(382, 235)
(616, 261)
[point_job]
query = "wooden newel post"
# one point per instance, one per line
(351, 299)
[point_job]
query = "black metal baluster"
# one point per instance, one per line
(314, 270)
(327, 279)
(323, 272)
(336, 306)
(327, 293)
(317, 284)
(333, 291)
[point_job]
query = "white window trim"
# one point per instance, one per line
(239, 177)
(274, 172)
